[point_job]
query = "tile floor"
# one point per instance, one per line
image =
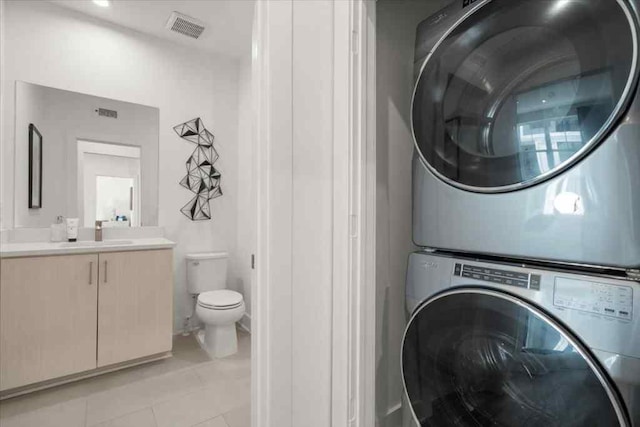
(188, 390)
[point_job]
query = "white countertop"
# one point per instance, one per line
(14, 250)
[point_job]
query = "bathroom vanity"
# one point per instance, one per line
(69, 311)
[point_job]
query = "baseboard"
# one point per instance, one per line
(19, 391)
(245, 322)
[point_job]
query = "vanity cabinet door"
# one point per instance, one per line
(135, 305)
(48, 316)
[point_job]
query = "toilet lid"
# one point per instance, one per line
(223, 298)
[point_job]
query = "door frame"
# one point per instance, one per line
(354, 329)
(272, 136)
(353, 317)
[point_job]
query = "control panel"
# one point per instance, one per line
(499, 276)
(594, 297)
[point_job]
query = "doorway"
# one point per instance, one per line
(109, 184)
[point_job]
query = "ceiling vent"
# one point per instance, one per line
(186, 25)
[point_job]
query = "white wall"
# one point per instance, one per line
(395, 33)
(52, 46)
(6, 184)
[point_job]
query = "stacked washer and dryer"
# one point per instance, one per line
(524, 302)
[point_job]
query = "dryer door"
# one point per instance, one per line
(479, 357)
(519, 90)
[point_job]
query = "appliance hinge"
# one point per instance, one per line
(253, 261)
(633, 274)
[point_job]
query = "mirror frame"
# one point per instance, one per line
(35, 164)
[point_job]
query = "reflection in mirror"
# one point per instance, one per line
(110, 181)
(114, 201)
(35, 168)
(100, 161)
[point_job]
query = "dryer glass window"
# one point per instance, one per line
(521, 89)
(480, 359)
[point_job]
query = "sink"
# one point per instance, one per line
(89, 243)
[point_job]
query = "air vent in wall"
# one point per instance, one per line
(107, 113)
(186, 25)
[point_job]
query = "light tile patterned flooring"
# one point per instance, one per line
(188, 390)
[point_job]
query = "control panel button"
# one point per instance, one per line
(594, 297)
(457, 270)
(498, 276)
(534, 282)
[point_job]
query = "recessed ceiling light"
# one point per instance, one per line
(102, 3)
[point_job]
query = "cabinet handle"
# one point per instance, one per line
(105, 271)
(91, 273)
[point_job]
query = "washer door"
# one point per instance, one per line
(519, 90)
(476, 357)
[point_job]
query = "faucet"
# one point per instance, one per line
(98, 231)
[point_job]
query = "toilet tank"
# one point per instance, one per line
(206, 272)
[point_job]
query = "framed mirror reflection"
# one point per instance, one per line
(101, 159)
(35, 167)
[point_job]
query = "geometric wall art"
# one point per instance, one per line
(202, 178)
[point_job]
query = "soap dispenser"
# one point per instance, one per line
(98, 231)
(58, 230)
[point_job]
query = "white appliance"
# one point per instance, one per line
(217, 307)
(526, 123)
(517, 345)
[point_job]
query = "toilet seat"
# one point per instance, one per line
(223, 299)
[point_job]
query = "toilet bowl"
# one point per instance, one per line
(219, 311)
(217, 308)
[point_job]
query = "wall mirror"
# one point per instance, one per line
(84, 156)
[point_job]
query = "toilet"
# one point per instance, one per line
(217, 308)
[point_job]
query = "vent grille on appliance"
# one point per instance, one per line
(185, 25)
(107, 113)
